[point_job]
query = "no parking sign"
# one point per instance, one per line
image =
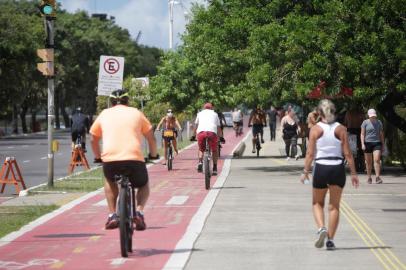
(111, 70)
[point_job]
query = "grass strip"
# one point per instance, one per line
(12, 218)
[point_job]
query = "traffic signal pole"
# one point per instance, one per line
(49, 28)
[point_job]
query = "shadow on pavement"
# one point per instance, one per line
(152, 252)
(358, 248)
(260, 157)
(228, 187)
(295, 169)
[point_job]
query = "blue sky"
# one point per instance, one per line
(151, 17)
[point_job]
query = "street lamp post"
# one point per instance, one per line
(171, 3)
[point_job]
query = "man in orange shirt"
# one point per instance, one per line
(122, 129)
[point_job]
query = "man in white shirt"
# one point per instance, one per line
(207, 125)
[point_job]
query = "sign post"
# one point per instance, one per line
(111, 71)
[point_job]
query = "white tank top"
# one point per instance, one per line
(328, 146)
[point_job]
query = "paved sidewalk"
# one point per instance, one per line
(263, 219)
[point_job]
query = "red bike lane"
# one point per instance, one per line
(76, 239)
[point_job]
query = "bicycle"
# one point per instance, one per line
(207, 156)
(169, 135)
(257, 144)
(238, 129)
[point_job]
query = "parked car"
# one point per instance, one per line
(229, 118)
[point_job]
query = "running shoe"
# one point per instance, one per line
(369, 181)
(378, 180)
(330, 245)
(200, 167)
(288, 158)
(214, 169)
(297, 157)
(112, 222)
(139, 222)
(321, 236)
(253, 151)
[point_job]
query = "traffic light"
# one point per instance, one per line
(48, 8)
(47, 55)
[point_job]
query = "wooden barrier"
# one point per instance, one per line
(78, 159)
(10, 168)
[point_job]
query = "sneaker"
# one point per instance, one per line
(112, 222)
(330, 245)
(139, 222)
(200, 167)
(214, 170)
(288, 158)
(296, 157)
(321, 234)
(369, 181)
(378, 180)
(253, 151)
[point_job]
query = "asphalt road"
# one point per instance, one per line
(31, 153)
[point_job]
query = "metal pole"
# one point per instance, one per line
(49, 25)
(171, 24)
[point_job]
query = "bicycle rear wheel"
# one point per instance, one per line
(206, 167)
(258, 146)
(125, 222)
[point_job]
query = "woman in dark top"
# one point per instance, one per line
(290, 131)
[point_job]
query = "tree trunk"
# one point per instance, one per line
(387, 109)
(15, 119)
(23, 113)
(35, 126)
(65, 115)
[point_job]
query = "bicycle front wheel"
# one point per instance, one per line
(124, 210)
(169, 158)
(206, 167)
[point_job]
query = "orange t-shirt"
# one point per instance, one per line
(121, 128)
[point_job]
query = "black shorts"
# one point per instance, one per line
(257, 128)
(238, 124)
(136, 171)
(370, 147)
(75, 134)
(326, 175)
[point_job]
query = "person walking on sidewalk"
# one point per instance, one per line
(272, 113)
(121, 128)
(290, 130)
(207, 125)
(328, 146)
(372, 140)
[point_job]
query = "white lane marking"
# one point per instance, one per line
(45, 218)
(373, 194)
(101, 203)
(25, 145)
(184, 247)
(44, 158)
(26, 161)
(118, 261)
(177, 200)
(59, 154)
(10, 147)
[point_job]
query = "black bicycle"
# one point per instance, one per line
(127, 212)
(207, 157)
(169, 135)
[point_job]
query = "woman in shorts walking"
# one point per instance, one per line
(328, 146)
(372, 141)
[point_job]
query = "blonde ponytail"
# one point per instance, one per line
(327, 110)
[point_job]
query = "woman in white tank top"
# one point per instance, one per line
(328, 146)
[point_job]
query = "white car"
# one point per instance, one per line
(229, 118)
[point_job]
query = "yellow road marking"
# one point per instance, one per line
(377, 246)
(78, 250)
(159, 186)
(279, 161)
(95, 237)
(57, 265)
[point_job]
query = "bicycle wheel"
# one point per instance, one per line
(124, 210)
(206, 167)
(169, 158)
(258, 146)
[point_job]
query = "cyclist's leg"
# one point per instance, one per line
(254, 134)
(213, 141)
(110, 186)
(201, 136)
(74, 136)
(83, 134)
(175, 144)
(261, 132)
(165, 149)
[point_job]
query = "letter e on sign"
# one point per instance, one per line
(111, 66)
